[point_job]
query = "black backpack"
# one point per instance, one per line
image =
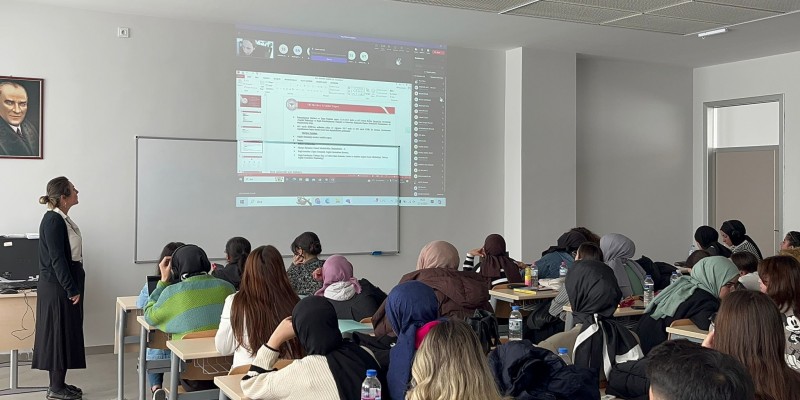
(485, 326)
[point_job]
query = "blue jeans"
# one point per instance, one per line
(156, 379)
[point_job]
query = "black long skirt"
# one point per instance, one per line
(58, 344)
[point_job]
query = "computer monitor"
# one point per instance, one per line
(19, 258)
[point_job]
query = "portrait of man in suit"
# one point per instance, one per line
(20, 115)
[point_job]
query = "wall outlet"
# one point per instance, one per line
(123, 32)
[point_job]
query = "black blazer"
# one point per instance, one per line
(55, 254)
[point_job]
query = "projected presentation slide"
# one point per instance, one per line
(335, 120)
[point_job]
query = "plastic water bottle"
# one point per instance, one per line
(534, 275)
(563, 353)
(371, 388)
(562, 272)
(692, 248)
(674, 278)
(515, 324)
(648, 290)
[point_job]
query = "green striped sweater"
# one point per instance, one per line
(192, 305)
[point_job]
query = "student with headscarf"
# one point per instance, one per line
(352, 298)
(734, 235)
(564, 251)
(695, 297)
(495, 263)
(586, 251)
(618, 251)
(599, 342)
(707, 238)
(459, 293)
(333, 368)
(410, 306)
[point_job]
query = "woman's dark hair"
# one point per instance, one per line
(308, 242)
(706, 236)
(745, 261)
(781, 276)
(793, 237)
(56, 188)
(167, 251)
(589, 235)
(590, 251)
(237, 249)
(696, 256)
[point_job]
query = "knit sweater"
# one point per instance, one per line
(301, 279)
(191, 305)
(308, 378)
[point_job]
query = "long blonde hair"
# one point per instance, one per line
(450, 365)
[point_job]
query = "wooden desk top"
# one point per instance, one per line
(231, 386)
(22, 293)
(691, 331)
(510, 295)
(621, 312)
(194, 349)
(143, 322)
(128, 303)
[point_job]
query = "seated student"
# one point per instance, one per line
(586, 251)
(748, 269)
(250, 315)
(695, 257)
(618, 251)
(410, 306)
(495, 263)
(707, 238)
(791, 245)
(599, 342)
(450, 364)
(734, 235)
(353, 299)
(564, 251)
(193, 303)
(304, 272)
(156, 379)
(749, 327)
(695, 297)
(333, 368)
(459, 293)
(236, 251)
(780, 280)
(682, 370)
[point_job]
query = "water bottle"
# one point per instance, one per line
(515, 324)
(674, 278)
(692, 248)
(563, 353)
(562, 272)
(371, 388)
(534, 275)
(528, 276)
(648, 290)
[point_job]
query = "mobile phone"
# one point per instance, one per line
(638, 307)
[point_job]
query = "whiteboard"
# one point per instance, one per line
(186, 190)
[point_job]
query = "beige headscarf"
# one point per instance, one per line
(438, 254)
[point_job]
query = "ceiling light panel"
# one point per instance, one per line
(782, 6)
(663, 24)
(478, 5)
(570, 12)
(638, 6)
(713, 13)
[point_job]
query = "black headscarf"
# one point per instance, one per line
(594, 294)
(496, 261)
(317, 329)
(567, 243)
(708, 239)
(189, 260)
(738, 233)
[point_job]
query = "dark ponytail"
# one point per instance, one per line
(308, 242)
(237, 249)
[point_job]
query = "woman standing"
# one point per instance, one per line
(58, 344)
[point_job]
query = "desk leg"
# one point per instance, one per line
(14, 373)
(120, 355)
(174, 376)
(142, 363)
(222, 395)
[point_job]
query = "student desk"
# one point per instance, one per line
(17, 327)
(689, 331)
(230, 387)
(125, 336)
(145, 331)
(625, 312)
(509, 295)
(189, 350)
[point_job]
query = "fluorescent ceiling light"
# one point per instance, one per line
(712, 33)
(525, 4)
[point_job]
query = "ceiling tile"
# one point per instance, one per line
(767, 5)
(570, 12)
(714, 13)
(639, 6)
(479, 5)
(663, 24)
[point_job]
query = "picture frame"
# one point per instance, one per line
(21, 117)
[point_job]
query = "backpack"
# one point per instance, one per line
(484, 324)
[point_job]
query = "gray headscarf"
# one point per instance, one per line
(618, 251)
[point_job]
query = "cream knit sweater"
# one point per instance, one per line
(308, 378)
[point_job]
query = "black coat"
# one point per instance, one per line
(362, 305)
(698, 307)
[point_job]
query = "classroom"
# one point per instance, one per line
(550, 124)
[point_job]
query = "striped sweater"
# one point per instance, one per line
(192, 305)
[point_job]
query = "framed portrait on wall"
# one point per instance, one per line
(21, 116)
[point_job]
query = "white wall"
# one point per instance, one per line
(758, 77)
(634, 154)
(174, 78)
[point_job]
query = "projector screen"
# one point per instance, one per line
(322, 114)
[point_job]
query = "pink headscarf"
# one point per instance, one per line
(337, 269)
(438, 254)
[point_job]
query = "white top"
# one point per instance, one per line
(309, 378)
(225, 342)
(75, 239)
